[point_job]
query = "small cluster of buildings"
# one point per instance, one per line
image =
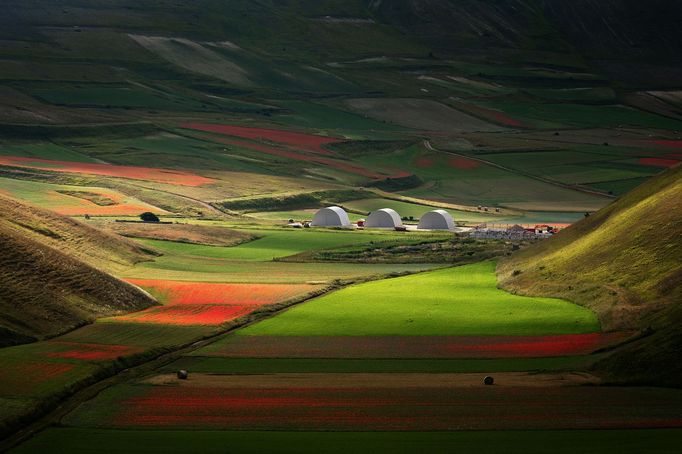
(515, 232)
(385, 218)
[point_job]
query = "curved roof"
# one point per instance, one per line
(385, 217)
(437, 220)
(331, 217)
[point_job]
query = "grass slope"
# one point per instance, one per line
(624, 263)
(455, 301)
(48, 282)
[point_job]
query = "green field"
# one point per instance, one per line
(198, 269)
(106, 96)
(281, 243)
(455, 301)
(582, 116)
(76, 441)
(52, 196)
(44, 151)
(479, 185)
(177, 151)
(335, 121)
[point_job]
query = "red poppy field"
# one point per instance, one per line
(496, 116)
(326, 161)
(659, 162)
(463, 163)
(31, 377)
(178, 292)
(195, 314)
(200, 303)
(411, 346)
(131, 172)
(298, 140)
(365, 402)
(88, 352)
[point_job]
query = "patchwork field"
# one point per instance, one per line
(456, 179)
(135, 173)
(75, 200)
(419, 114)
(227, 122)
(296, 140)
(386, 402)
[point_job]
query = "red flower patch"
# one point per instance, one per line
(463, 163)
(194, 314)
(405, 408)
(211, 293)
(28, 377)
(89, 352)
(284, 153)
(659, 162)
(424, 162)
(495, 115)
(298, 140)
(131, 172)
(667, 143)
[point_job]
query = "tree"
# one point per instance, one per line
(149, 217)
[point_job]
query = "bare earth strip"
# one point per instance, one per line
(420, 114)
(194, 57)
(355, 380)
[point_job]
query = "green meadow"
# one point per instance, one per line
(279, 243)
(89, 440)
(461, 301)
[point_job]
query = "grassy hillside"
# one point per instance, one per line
(91, 245)
(624, 263)
(48, 281)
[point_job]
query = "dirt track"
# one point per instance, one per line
(416, 380)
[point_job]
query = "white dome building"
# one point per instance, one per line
(436, 220)
(331, 217)
(383, 218)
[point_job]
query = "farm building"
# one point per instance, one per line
(542, 229)
(437, 220)
(331, 217)
(383, 218)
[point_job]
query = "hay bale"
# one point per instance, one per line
(488, 380)
(183, 374)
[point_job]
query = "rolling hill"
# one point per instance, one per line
(624, 263)
(52, 277)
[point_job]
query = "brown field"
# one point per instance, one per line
(420, 114)
(370, 380)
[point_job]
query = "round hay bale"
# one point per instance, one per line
(183, 374)
(488, 380)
